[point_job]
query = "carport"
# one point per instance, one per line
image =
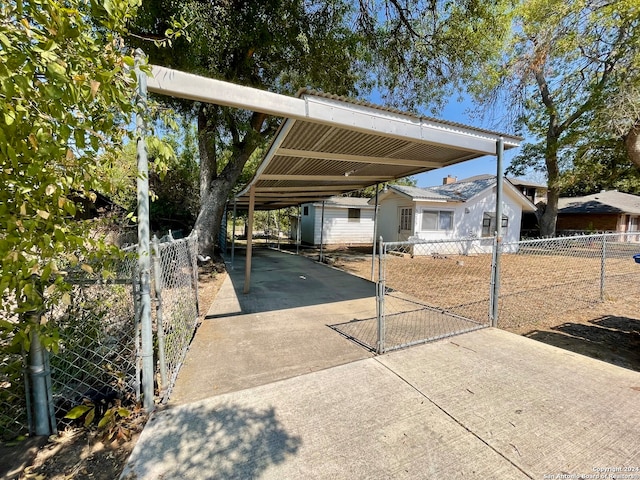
(329, 145)
(326, 145)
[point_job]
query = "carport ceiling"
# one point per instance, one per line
(310, 160)
(329, 145)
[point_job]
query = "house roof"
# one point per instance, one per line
(526, 183)
(329, 145)
(609, 201)
(461, 191)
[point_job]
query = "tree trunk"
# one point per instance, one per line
(632, 144)
(210, 216)
(550, 215)
(215, 189)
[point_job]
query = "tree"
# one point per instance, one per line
(66, 94)
(556, 70)
(410, 50)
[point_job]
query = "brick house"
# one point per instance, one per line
(607, 211)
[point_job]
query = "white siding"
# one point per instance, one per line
(467, 221)
(307, 224)
(388, 220)
(337, 227)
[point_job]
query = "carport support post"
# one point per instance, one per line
(495, 293)
(247, 266)
(321, 232)
(375, 232)
(380, 289)
(144, 259)
(233, 234)
(298, 230)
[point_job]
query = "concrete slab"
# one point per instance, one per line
(357, 421)
(549, 411)
(277, 331)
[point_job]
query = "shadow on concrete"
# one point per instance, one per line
(282, 280)
(612, 339)
(221, 443)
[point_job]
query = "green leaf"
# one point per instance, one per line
(90, 416)
(77, 412)
(106, 418)
(57, 70)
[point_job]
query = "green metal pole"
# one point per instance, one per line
(144, 258)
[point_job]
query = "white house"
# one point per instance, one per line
(347, 220)
(462, 209)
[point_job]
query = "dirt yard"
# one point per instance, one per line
(81, 454)
(556, 299)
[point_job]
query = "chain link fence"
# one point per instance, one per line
(427, 291)
(431, 290)
(99, 350)
(548, 277)
(176, 291)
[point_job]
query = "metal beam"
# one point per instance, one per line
(325, 111)
(309, 190)
(327, 178)
(289, 152)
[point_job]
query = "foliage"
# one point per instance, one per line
(113, 423)
(173, 181)
(556, 70)
(66, 97)
(66, 89)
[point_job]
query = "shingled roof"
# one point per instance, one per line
(607, 201)
(460, 191)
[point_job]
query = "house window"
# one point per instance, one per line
(437, 220)
(489, 224)
(406, 219)
(305, 211)
(354, 215)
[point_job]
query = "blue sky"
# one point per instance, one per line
(456, 112)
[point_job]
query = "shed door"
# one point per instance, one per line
(405, 228)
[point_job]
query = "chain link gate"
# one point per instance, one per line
(432, 290)
(426, 290)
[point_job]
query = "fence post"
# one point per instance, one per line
(157, 278)
(193, 256)
(380, 290)
(144, 262)
(38, 374)
(603, 269)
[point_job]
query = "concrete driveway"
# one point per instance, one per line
(261, 395)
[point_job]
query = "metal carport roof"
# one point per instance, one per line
(346, 145)
(328, 145)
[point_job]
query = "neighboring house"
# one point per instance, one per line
(347, 220)
(607, 211)
(454, 210)
(533, 191)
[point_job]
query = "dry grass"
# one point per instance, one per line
(553, 297)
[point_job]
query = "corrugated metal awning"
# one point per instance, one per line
(350, 145)
(328, 145)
